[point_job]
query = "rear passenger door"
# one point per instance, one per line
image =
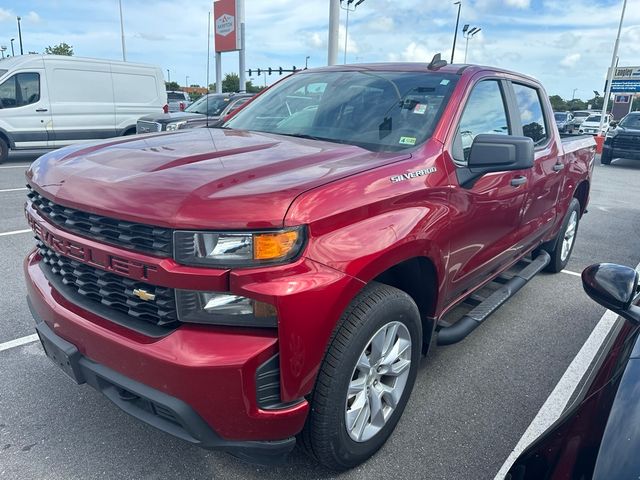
(545, 179)
(485, 216)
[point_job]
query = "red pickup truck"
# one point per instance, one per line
(281, 277)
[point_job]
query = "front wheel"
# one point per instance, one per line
(4, 150)
(606, 157)
(366, 378)
(564, 242)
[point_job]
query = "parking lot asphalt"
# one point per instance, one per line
(470, 406)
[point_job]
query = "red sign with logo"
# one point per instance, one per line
(226, 22)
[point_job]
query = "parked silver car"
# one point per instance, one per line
(178, 101)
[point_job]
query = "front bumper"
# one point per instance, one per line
(209, 371)
(156, 408)
(621, 152)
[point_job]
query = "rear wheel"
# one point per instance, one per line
(4, 150)
(366, 378)
(564, 242)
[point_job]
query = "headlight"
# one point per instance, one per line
(241, 249)
(224, 309)
(175, 125)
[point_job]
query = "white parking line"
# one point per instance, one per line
(18, 342)
(13, 190)
(15, 232)
(557, 401)
(569, 272)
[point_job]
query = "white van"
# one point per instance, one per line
(47, 101)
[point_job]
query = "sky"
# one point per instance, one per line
(565, 44)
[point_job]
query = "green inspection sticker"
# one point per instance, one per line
(407, 140)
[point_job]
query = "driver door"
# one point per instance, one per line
(25, 113)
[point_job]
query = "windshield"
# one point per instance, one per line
(561, 116)
(373, 109)
(215, 105)
(175, 96)
(630, 121)
(593, 118)
(581, 114)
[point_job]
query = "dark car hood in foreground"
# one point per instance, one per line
(197, 178)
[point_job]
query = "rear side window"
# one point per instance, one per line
(20, 90)
(485, 112)
(531, 114)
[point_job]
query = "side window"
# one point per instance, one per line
(20, 90)
(531, 114)
(485, 112)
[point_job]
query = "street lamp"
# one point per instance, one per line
(349, 8)
(12, 52)
(455, 32)
(169, 75)
(607, 94)
(20, 36)
(124, 54)
(186, 81)
(573, 95)
(2, 49)
(306, 62)
(468, 33)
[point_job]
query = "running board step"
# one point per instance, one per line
(469, 322)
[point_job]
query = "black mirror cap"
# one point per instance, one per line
(613, 124)
(495, 152)
(612, 286)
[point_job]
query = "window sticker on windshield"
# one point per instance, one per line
(407, 140)
(420, 109)
(444, 81)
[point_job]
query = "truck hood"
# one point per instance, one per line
(201, 178)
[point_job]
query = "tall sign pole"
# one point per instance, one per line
(228, 26)
(124, 55)
(241, 59)
(607, 94)
(334, 29)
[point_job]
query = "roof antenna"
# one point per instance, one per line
(436, 62)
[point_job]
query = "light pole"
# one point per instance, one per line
(169, 75)
(20, 36)
(334, 26)
(349, 8)
(468, 33)
(306, 62)
(12, 52)
(186, 81)
(2, 49)
(124, 54)
(455, 33)
(573, 95)
(611, 69)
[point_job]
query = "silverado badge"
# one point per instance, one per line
(143, 294)
(410, 175)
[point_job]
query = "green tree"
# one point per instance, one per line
(576, 104)
(60, 49)
(557, 103)
(596, 103)
(172, 86)
(231, 83)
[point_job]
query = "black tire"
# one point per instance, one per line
(325, 436)
(4, 150)
(554, 248)
(606, 157)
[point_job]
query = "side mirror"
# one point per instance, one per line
(614, 287)
(613, 124)
(496, 153)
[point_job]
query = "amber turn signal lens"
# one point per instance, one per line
(273, 246)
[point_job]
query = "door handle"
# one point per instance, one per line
(558, 166)
(39, 110)
(517, 181)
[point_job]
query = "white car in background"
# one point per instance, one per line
(591, 124)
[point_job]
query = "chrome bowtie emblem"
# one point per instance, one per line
(143, 294)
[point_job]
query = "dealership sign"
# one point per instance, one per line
(626, 80)
(227, 25)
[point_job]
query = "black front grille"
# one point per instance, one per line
(111, 295)
(133, 236)
(627, 142)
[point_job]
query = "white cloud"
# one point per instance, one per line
(519, 3)
(571, 60)
(32, 17)
(6, 15)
